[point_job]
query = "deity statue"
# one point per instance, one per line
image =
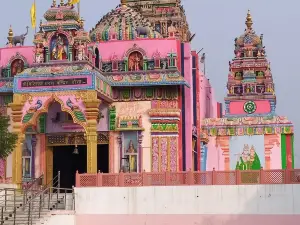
(39, 53)
(59, 51)
(131, 151)
(135, 61)
(80, 51)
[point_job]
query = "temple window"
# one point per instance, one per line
(135, 61)
(17, 66)
(172, 59)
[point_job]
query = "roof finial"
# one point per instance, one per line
(62, 2)
(54, 3)
(123, 2)
(249, 20)
(10, 35)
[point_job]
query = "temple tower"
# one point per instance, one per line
(250, 83)
(164, 15)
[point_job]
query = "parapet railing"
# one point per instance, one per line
(234, 177)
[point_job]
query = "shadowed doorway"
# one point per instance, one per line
(65, 161)
(103, 158)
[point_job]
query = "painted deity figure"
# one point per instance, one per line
(131, 151)
(59, 51)
(80, 51)
(249, 159)
(39, 53)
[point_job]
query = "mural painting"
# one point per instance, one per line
(247, 152)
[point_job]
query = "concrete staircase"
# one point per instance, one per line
(36, 209)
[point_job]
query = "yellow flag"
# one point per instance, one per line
(33, 15)
(73, 2)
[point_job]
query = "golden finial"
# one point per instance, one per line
(54, 3)
(62, 2)
(69, 2)
(10, 35)
(249, 20)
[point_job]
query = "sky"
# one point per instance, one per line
(216, 24)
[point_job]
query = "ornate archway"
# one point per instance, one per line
(83, 106)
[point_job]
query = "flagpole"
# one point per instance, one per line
(35, 16)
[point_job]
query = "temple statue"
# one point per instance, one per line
(131, 151)
(59, 51)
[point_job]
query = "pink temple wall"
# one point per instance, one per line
(208, 103)
(215, 157)
(7, 53)
(119, 48)
(188, 104)
(238, 107)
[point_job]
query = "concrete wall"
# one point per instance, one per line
(261, 204)
(58, 218)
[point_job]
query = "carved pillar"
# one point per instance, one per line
(16, 115)
(111, 151)
(120, 150)
(33, 144)
(223, 142)
(92, 111)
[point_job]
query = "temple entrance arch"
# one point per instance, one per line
(82, 106)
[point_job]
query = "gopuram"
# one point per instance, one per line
(250, 136)
(122, 97)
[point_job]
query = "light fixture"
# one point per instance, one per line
(75, 152)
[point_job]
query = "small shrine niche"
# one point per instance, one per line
(172, 31)
(135, 61)
(59, 47)
(17, 66)
(172, 59)
(115, 63)
(156, 58)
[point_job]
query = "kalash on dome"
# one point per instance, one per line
(117, 98)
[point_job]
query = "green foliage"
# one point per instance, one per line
(7, 140)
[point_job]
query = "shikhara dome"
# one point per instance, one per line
(123, 23)
(249, 37)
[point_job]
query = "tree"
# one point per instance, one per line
(7, 140)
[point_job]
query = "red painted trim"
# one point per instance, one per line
(289, 158)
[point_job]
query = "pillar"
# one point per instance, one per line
(16, 115)
(92, 110)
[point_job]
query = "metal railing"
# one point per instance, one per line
(51, 198)
(28, 206)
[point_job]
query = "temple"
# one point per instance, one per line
(123, 97)
(250, 136)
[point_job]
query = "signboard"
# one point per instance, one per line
(54, 82)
